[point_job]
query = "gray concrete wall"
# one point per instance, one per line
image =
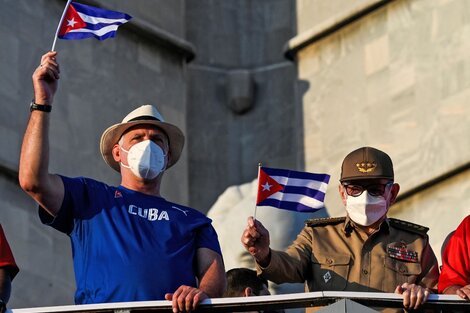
(100, 83)
(224, 147)
(164, 14)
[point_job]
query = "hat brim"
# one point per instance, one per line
(366, 177)
(113, 133)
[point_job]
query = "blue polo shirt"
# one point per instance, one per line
(128, 246)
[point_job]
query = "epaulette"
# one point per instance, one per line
(325, 221)
(415, 228)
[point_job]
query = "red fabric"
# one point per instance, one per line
(6, 257)
(266, 186)
(456, 258)
(71, 21)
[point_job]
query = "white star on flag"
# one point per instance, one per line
(71, 22)
(267, 187)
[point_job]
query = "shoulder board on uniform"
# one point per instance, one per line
(414, 228)
(325, 221)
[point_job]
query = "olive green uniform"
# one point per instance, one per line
(333, 254)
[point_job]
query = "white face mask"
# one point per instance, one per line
(365, 209)
(146, 159)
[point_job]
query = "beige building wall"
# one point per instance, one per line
(441, 208)
(313, 14)
(398, 79)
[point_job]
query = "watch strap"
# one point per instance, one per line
(40, 107)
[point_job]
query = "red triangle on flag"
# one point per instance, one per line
(71, 21)
(266, 186)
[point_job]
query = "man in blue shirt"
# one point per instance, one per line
(129, 243)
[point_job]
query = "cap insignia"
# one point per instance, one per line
(366, 166)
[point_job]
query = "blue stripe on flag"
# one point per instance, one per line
(312, 193)
(84, 35)
(294, 174)
(100, 25)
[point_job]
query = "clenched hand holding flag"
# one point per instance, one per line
(81, 21)
(291, 190)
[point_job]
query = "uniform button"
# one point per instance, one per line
(329, 261)
(365, 272)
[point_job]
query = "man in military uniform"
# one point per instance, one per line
(363, 251)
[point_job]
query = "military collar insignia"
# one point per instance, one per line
(348, 226)
(399, 251)
(415, 228)
(366, 166)
(325, 221)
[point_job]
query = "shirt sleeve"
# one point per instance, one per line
(7, 260)
(455, 260)
(291, 266)
(74, 192)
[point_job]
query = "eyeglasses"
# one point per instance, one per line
(375, 190)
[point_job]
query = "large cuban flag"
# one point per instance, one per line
(291, 190)
(84, 21)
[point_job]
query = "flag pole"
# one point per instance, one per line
(256, 206)
(60, 24)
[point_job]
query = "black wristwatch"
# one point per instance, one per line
(40, 107)
(3, 306)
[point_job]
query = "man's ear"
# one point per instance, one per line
(394, 193)
(116, 152)
(168, 157)
(248, 292)
(342, 193)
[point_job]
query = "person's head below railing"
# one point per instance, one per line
(244, 282)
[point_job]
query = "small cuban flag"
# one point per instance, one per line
(291, 190)
(83, 21)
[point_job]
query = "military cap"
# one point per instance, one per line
(366, 163)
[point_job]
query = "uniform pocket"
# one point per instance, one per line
(330, 272)
(398, 272)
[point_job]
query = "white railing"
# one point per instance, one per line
(435, 303)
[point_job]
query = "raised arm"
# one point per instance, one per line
(47, 189)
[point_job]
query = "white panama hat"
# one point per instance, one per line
(145, 114)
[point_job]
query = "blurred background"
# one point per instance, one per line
(293, 84)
